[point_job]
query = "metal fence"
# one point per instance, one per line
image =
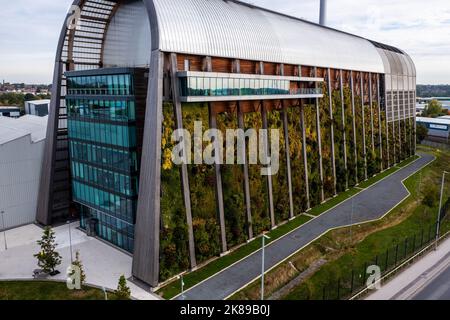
(345, 287)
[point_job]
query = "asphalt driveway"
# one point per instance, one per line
(371, 204)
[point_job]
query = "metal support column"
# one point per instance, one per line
(363, 126)
(344, 133)
(333, 150)
(352, 85)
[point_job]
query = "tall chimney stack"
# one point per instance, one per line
(323, 12)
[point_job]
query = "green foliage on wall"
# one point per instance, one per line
(174, 233)
(384, 140)
(258, 183)
(202, 182)
(233, 188)
(312, 150)
(280, 184)
(325, 130)
(351, 146)
(339, 143)
(297, 160)
(359, 138)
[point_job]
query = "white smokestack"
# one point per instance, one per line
(323, 12)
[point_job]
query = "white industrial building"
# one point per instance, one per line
(37, 107)
(21, 149)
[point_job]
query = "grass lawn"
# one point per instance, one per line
(46, 290)
(173, 288)
(347, 248)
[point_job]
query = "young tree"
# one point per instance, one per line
(421, 133)
(123, 292)
(79, 264)
(433, 110)
(48, 258)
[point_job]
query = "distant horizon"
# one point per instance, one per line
(423, 31)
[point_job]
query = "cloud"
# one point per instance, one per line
(29, 31)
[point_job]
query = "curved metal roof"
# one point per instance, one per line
(237, 30)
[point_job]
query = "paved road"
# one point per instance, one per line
(438, 288)
(370, 204)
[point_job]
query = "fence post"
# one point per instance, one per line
(414, 244)
(324, 293)
(376, 260)
(421, 239)
(406, 247)
(364, 274)
(352, 283)
(387, 260)
(339, 289)
(396, 255)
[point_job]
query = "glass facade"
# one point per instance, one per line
(104, 154)
(215, 87)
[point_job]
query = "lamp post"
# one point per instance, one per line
(183, 297)
(70, 242)
(440, 208)
(4, 229)
(263, 239)
(106, 293)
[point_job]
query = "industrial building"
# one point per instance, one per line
(128, 73)
(438, 128)
(37, 107)
(22, 143)
(10, 112)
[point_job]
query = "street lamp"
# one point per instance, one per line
(440, 208)
(183, 297)
(70, 242)
(263, 239)
(106, 293)
(4, 228)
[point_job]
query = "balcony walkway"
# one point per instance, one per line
(371, 204)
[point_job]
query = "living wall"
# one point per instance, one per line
(351, 146)
(376, 134)
(202, 182)
(339, 143)
(386, 160)
(233, 188)
(325, 130)
(297, 160)
(372, 164)
(174, 233)
(404, 146)
(392, 142)
(359, 138)
(280, 183)
(312, 147)
(258, 183)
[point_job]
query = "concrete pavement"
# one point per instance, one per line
(103, 264)
(370, 204)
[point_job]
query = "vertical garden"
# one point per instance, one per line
(280, 183)
(350, 134)
(325, 132)
(233, 188)
(174, 233)
(258, 183)
(202, 183)
(297, 160)
(339, 143)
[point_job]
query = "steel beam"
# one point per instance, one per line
(148, 218)
(344, 133)
(352, 85)
(363, 126)
(288, 160)
(305, 156)
(269, 177)
(333, 150)
(319, 140)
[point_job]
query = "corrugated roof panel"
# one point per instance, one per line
(235, 30)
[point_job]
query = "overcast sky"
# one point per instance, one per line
(29, 30)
